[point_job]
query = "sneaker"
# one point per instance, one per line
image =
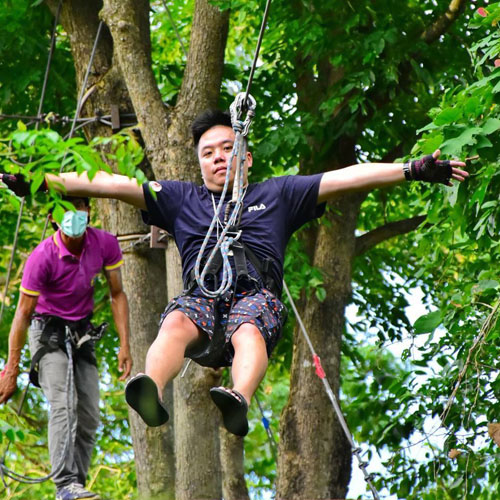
(74, 491)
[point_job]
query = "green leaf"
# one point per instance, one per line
(58, 213)
(496, 88)
(454, 146)
(427, 323)
(487, 285)
(432, 143)
(320, 293)
(448, 115)
(10, 434)
(492, 125)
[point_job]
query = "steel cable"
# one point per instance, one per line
(321, 374)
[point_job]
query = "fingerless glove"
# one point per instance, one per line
(428, 169)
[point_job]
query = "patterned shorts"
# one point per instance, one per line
(219, 321)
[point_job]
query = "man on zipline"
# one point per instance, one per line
(56, 299)
(241, 327)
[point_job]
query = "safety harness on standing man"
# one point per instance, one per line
(82, 335)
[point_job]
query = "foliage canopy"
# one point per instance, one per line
(387, 83)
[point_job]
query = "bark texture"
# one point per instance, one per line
(233, 479)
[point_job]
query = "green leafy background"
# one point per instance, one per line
(396, 96)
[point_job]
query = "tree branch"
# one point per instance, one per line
(201, 84)
(441, 25)
(383, 233)
(128, 21)
(203, 75)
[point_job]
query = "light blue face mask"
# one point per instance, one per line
(74, 223)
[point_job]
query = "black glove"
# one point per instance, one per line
(19, 185)
(429, 169)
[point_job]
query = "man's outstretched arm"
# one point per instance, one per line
(368, 176)
(103, 185)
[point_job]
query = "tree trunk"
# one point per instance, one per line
(233, 473)
(169, 148)
(314, 456)
(198, 473)
(153, 448)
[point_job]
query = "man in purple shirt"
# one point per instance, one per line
(57, 296)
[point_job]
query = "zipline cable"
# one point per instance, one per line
(267, 427)
(321, 374)
(78, 106)
(83, 88)
(40, 107)
(49, 60)
(257, 50)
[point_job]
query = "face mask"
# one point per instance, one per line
(74, 223)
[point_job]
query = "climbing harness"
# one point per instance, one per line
(55, 330)
(322, 375)
(69, 336)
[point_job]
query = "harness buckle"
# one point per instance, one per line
(234, 234)
(92, 333)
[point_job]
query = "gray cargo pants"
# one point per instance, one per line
(52, 375)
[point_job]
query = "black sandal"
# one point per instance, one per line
(234, 409)
(141, 393)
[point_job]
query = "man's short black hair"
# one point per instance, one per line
(71, 199)
(207, 120)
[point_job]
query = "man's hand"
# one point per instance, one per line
(124, 362)
(431, 169)
(16, 183)
(19, 185)
(8, 383)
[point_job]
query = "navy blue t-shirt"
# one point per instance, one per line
(272, 211)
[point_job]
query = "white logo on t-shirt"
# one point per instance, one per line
(256, 208)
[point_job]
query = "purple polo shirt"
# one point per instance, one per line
(63, 282)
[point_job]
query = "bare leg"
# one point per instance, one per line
(166, 354)
(250, 360)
